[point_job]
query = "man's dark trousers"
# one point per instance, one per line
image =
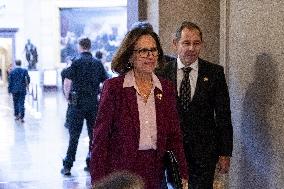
(19, 104)
(75, 122)
(201, 172)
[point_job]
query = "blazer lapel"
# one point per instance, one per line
(201, 78)
(158, 95)
(173, 71)
(172, 76)
(131, 101)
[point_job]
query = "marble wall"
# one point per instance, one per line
(255, 49)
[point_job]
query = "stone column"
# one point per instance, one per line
(136, 10)
(252, 49)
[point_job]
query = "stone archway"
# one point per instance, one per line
(4, 65)
(7, 51)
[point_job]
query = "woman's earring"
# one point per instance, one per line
(129, 65)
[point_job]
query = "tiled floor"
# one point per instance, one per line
(31, 152)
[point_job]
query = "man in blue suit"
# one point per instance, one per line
(19, 80)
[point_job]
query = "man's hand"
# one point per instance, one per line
(223, 164)
(67, 88)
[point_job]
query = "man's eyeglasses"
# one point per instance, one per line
(144, 52)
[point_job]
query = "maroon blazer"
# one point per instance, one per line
(116, 131)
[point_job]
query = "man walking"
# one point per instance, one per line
(81, 86)
(204, 108)
(19, 80)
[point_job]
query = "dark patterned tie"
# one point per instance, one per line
(185, 93)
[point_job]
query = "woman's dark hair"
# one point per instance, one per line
(120, 63)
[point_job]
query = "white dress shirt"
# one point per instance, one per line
(192, 75)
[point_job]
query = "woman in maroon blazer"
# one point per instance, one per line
(137, 119)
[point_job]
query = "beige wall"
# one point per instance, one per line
(34, 21)
(255, 59)
(5, 58)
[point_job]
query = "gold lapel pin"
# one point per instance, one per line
(159, 96)
(205, 79)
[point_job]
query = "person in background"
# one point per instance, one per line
(137, 119)
(120, 180)
(99, 55)
(18, 82)
(81, 88)
(204, 107)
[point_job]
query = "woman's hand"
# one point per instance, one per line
(184, 183)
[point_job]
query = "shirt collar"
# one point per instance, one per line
(129, 80)
(180, 65)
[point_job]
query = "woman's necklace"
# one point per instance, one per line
(145, 95)
(144, 84)
(144, 89)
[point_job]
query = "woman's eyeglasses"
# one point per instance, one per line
(144, 52)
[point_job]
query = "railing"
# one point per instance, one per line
(33, 100)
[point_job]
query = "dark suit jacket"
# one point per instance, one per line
(86, 73)
(116, 132)
(207, 127)
(18, 80)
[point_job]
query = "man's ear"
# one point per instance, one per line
(175, 44)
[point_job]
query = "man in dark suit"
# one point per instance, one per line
(19, 80)
(81, 86)
(204, 108)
